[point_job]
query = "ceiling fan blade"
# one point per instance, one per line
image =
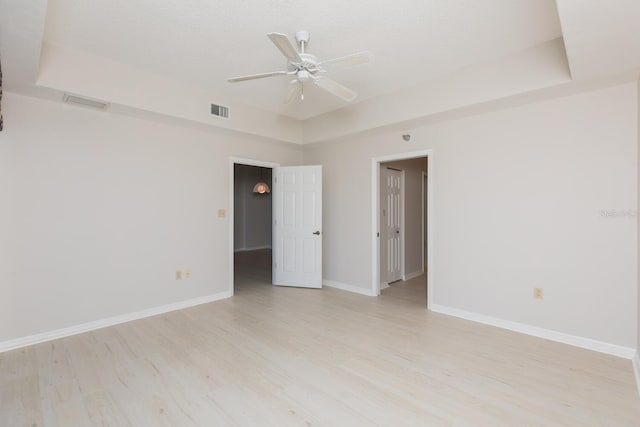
(347, 61)
(256, 76)
(335, 88)
(283, 43)
(293, 91)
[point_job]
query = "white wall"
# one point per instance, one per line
(638, 264)
(97, 211)
(413, 170)
(517, 204)
(8, 211)
(252, 212)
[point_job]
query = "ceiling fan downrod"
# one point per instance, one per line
(302, 37)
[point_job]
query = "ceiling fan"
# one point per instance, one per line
(306, 67)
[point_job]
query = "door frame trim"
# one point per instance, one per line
(403, 269)
(425, 228)
(375, 218)
(230, 210)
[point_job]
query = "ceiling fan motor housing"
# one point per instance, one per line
(307, 67)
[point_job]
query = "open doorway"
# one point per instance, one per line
(402, 267)
(252, 224)
(251, 219)
(401, 217)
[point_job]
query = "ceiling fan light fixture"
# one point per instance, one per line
(303, 75)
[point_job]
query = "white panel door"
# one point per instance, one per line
(393, 222)
(297, 226)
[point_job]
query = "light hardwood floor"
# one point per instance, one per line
(274, 356)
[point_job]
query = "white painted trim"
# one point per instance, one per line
(349, 288)
(375, 223)
(636, 368)
(103, 323)
(424, 175)
(412, 275)
(430, 253)
(230, 212)
(375, 227)
(403, 241)
(574, 340)
(255, 248)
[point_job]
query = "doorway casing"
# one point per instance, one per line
(230, 211)
(375, 215)
(425, 229)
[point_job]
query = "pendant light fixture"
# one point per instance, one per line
(261, 187)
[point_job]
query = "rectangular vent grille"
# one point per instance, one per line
(87, 102)
(220, 111)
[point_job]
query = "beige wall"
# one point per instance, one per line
(517, 204)
(98, 211)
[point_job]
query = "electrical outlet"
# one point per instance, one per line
(537, 293)
(187, 274)
(178, 274)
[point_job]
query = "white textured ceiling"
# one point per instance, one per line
(167, 60)
(203, 42)
(21, 29)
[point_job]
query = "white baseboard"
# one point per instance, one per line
(103, 323)
(255, 248)
(590, 344)
(412, 275)
(349, 288)
(384, 285)
(636, 368)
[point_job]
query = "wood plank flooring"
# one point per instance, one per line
(275, 356)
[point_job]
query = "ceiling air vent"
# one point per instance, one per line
(87, 102)
(220, 111)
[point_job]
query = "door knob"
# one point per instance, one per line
(317, 232)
